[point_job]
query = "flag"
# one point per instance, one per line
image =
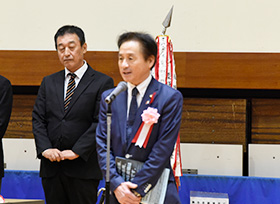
(164, 72)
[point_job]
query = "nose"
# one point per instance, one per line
(67, 51)
(124, 63)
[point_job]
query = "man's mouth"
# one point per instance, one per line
(126, 73)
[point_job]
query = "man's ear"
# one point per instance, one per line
(84, 47)
(151, 60)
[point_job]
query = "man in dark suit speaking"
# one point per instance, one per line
(145, 123)
(65, 118)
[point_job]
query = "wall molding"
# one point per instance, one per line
(212, 70)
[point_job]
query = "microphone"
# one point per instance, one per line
(122, 86)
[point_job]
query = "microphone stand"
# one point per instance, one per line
(109, 121)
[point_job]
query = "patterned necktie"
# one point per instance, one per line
(70, 90)
(132, 113)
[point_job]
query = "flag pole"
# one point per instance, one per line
(164, 72)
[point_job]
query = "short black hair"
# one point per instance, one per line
(149, 46)
(70, 29)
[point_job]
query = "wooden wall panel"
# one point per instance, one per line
(219, 121)
(203, 120)
(266, 121)
(20, 125)
(228, 70)
(194, 69)
(27, 68)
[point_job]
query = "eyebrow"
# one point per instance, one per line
(128, 53)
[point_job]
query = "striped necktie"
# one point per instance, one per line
(70, 90)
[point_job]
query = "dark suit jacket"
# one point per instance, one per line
(72, 130)
(6, 102)
(157, 154)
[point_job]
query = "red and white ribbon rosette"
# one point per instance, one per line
(149, 117)
(2, 200)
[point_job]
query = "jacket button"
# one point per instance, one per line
(128, 156)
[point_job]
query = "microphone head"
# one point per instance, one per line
(108, 99)
(122, 86)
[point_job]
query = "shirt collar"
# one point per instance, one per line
(140, 87)
(79, 72)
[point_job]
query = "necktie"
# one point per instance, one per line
(70, 90)
(132, 113)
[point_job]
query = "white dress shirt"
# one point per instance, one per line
(142, 87)
(79, 74)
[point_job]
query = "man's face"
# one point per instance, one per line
(132, 65)
(70, 52)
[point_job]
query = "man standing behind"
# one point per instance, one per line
(65, 118)
(145, 97)
(6, 102)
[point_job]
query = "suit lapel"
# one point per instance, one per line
(87, 78)
(121, 107)
(59, 84)
(153, 87)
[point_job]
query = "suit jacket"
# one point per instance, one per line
(160, 146)
(71, 130)
(6, 102)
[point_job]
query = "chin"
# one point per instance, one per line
(66, 64)
(69, 67)
(127, 78)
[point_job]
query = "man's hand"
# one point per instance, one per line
(52, 155)
(56, 155)
(68, 154)
(124, 195)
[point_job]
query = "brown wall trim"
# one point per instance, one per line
(194, 69)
